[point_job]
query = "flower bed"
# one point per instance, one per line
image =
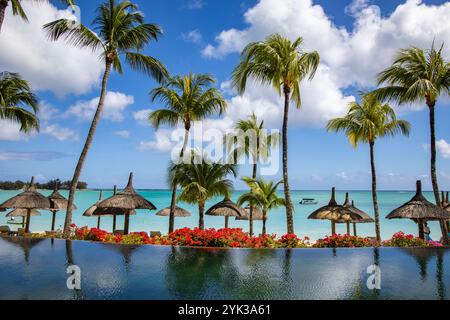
(237, 238)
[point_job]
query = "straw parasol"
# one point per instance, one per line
(420, 210)
(128, 200)
(94, 211)
(257, 214)
(58, 203)
(361, 216)
(22, 213)
(29, 199)
(333, 212)
(179, 212)
(227, 209)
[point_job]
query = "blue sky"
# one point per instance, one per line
(355, 39)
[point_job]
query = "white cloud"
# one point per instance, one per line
(161, 143)
(347, 57)
(123, 133)
(54, 66)
(46, 111)
(195, 4)
(444, 148)
(115, 104)
(10, 131)
(27, 156)
(141, 116)
(60, 133)
(193, 36)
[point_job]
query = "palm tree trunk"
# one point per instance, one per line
(173, 200)
(201, 209)
(264, 213)
(250, 216)
(374, 192)
(84, 152)
(287, 193)
(434, 181)
(3, 5)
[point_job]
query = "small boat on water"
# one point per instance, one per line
(309, 201)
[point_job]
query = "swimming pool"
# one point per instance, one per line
(37, 269)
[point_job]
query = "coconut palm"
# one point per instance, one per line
(418, 75)
(119, 31)
(16, 96)
(263, 195)
(187, 99)
(17, 10)
(365, 123)
(202, 180)
(283, 64)
(250, 139)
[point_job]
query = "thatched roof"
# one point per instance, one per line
(22, 213)
(226, 208)
(29, 199)
(257, 214)
(94, 211)
(359, 215)
(179, 212)
(128, 199)
(419, 208)
(58, 202)
(333, 211)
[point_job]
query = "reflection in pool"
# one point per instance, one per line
(36, 269)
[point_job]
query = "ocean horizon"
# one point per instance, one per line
(147, 221)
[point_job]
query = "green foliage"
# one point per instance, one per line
(50, 185)
(262, 195)
(16, 96)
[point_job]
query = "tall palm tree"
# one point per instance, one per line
(187, 99)
(250, 139)
(418, 75)
(264, 195)
(365, 123)
(15, 96)
(201, 181)
(17, 9)
(283, 64)
(119, 30)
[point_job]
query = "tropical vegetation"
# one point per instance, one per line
(366, 122)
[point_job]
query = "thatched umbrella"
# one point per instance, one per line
(257, 214)
(29, 199)
(94, 211)
(179, 212)
(128, 200)
(420, 210)
(360, 216)
(58, 203)
(333, 212)
(227, 209)
(16, 213)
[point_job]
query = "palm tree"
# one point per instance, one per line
(15, 96)
(250, 139)
(187, 99)
(201, 181)
(18, 10)
(365, 123)
(263, 195)
(417, 75)
(283, 64)
(119, 30)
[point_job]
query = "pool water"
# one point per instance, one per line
(36, 269)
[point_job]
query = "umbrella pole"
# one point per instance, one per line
(99, 219)
(333, 228)
(127, 223)
(53, 220)
(27, 228)
(114, 223)
(348, 228)
(226, 222)
(421, 231)
(23, 222)
(354, 230)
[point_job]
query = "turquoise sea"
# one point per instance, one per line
(148, 221)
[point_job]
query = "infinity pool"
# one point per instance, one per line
(36, 269)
